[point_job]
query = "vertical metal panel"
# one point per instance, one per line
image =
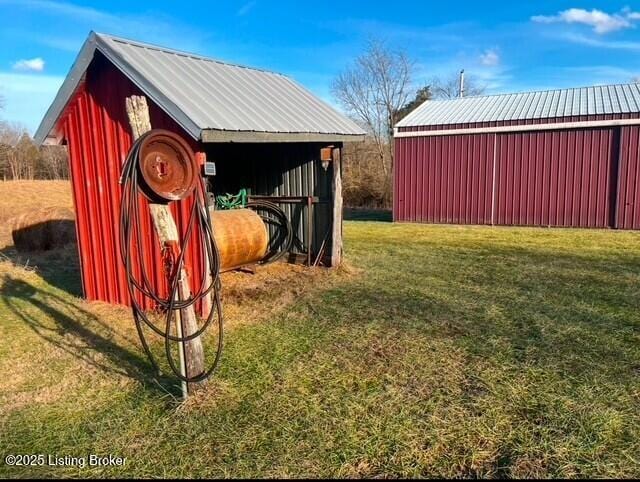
(397, 176)
(79, 199)
(555, 178)
(542, 178)
(97, 133)
(444, 179)
(628, 198)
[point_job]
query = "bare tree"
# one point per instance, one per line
(372, 89)
(635, 79)
(449, 87)
(9, 137)
(19, 156)
(422, 95)
(10, 133)
(55, 164)
(364, 184)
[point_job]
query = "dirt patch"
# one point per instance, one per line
(257, 294)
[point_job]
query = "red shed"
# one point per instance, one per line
(264, 131)
(566, 157)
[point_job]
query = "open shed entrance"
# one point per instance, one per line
(291, 175)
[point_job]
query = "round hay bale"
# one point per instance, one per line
(43, 229)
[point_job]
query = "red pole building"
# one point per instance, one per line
(554, 158)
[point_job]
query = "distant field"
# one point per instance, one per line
(17, 197)
(437, 351)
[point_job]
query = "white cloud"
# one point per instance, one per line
(494, 79)
(79, 20)
(600, 21)
(30, 65)
(490, 58)
(600, 74)
(630, 14)
(246, 8)
(604, 44)
(66, 9)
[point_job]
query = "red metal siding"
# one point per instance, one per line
(628, 199)
(554, 178)
(580, 178)
(444, 179)
(96, 128)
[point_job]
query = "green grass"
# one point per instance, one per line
(448, 351)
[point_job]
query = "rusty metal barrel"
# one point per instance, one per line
(241, 237)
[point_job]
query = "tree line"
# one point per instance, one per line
(21, 159)
(377, 90)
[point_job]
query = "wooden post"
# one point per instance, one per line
(309, 228)
(191, 352)
(336, 234)
(207, 301)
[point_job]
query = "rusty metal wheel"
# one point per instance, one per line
(168, 167)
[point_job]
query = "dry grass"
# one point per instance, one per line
(255, 294)
(19, 197)
(43, 229)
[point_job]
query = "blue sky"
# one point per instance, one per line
(508, 47)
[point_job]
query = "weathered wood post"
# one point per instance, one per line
(191, 352)
(207, 301)
(336, 234)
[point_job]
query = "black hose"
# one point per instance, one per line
(210, 262)
(271, 213)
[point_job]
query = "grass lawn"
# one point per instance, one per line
(440, 351)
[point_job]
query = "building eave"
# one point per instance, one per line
(221, 136)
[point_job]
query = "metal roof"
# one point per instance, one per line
(211, 100)
(601, 99)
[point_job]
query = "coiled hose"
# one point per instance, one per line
(272, 214)
(130, 230)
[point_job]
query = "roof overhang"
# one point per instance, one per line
(76, 75)
(215, 135)
(72, 81)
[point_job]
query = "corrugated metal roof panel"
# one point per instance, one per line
(601, 99)
(203, 94)
(223, 96)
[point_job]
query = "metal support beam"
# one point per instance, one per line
(520, 128)
(212, 135)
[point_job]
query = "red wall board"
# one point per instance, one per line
(96, 129)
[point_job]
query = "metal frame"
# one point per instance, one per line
(214, 135)
(519, 128)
